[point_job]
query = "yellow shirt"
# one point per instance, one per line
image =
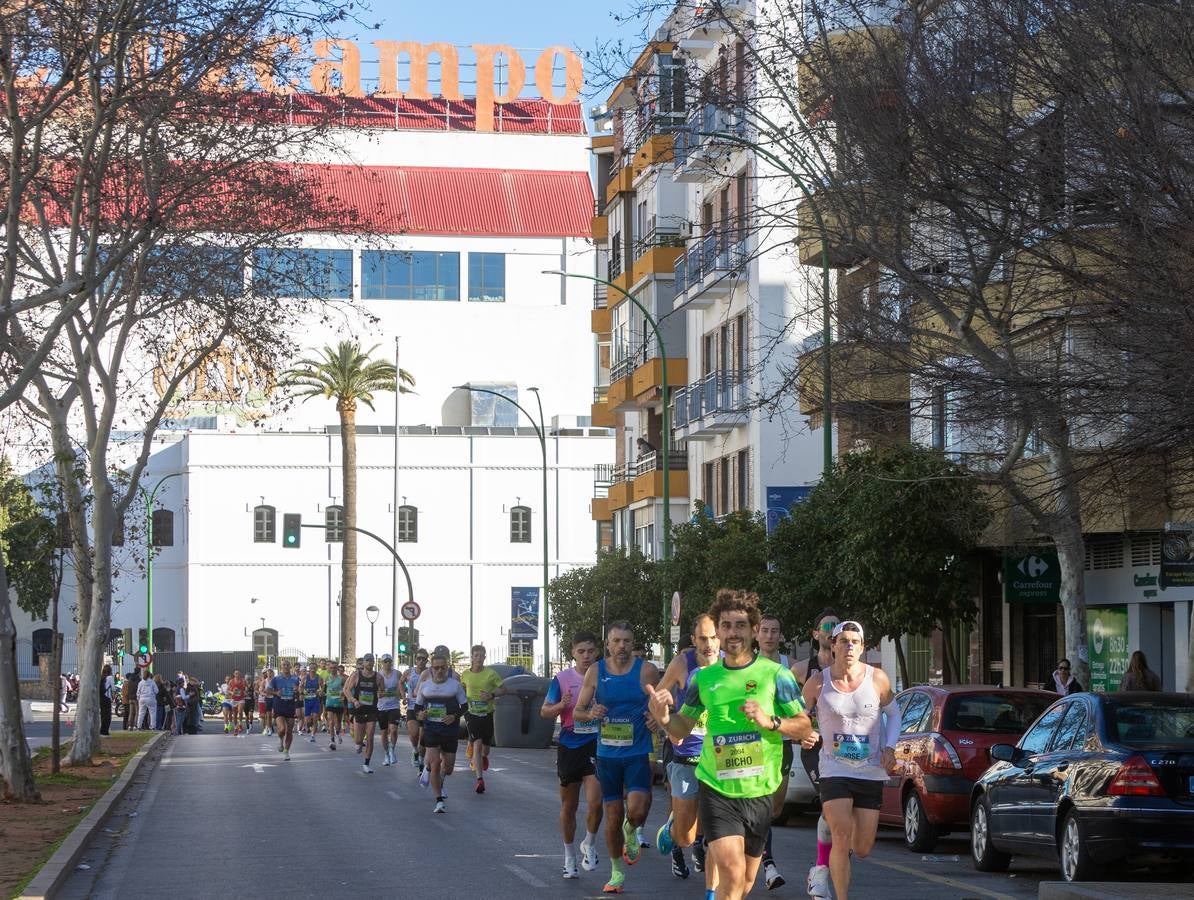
(475, 683)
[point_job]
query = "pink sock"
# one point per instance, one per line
(823, 853)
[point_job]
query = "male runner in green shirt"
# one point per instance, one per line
(752, 703)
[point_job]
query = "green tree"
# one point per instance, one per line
(347, 375)
(29, 541)
(888, 535)
(709, 554)
(621, 585)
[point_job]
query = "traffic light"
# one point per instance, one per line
(126, 640)
(292, 528)
(143, 648)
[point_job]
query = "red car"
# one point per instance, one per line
(946, 733)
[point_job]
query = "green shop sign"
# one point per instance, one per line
(1033, 576)
(1107, 644)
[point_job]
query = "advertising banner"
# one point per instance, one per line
(524, 612)
(1107, 637)
(1177, 555)
(780, 500)
(1032, 576)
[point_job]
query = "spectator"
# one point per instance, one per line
(644, 447)
(64, 691)
(194, 705)
(107, 691)
(163, 698)
(128, 696)
(1063, 681)
(180, 698)
(1139, 676)
(147, 703)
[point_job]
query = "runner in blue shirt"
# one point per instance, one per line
(311, 686)
(284, 689)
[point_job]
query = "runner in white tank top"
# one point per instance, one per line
(857, 752)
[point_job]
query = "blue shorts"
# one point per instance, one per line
(683, 781)
(311, 706)
(619, 775)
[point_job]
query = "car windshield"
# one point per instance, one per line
(1139, 725)
(994, 713)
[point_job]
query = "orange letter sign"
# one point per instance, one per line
(516, 77)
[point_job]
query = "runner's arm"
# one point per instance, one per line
(552, 708)
(348, 686)
(586, 710)
(891, 727)
(678, 725)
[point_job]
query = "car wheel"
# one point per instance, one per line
(1076, 861)
(919, 834)
(982, 851)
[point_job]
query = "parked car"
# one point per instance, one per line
(801, 796)
(946, 733)
(1098, 780)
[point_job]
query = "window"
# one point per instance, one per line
(163, 528)
(333, 524)
(183, 270)
(408, 275)
(520, 525)
(1146, 549)
(302, 273)
(265, 643)
(43, 642)
(1037, 738)
(723, 486)
(1072, 733)
(707, 484)
(937, 417)
(743, 479)
(408, 524)
(1104, 551)
(913, 718)
(487, 277)
(265, 520)
(163, 640)
(495, 412)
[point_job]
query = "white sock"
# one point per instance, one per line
(824, 833)
(570, 852)
(591, 838)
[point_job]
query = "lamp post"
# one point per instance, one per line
(371, 613)
(541, 431)
(667, 416)
(149, 558)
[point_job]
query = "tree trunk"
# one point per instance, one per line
(91, 652)
(899, 649)
(1066, 532)
(16, 767)
(348, 573)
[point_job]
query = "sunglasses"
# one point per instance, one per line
(828, 626)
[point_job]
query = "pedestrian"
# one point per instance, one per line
(128, 698)
(194, 718)
(64, 692)
(180, 706)
(147, 703)
(1139, 676)
(163, 702)
(1063, 681)
(107, 692)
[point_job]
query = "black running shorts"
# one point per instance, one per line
(748, 818)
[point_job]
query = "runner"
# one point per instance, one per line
(681, 828)
(361, 692)
(236, 696)
(481, 685)
(750, 702)
(439, 702)
(265, 702)
(574, 756)
(613, 694)
(312, 688)
(770, 637)
(334, 705)
(226, 704)
(820, 657)
(414, 727)
(284, 688)
(389, 709)
(851, 698)
(250, 703)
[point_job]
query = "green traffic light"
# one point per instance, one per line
(402, 648)
(142, 649)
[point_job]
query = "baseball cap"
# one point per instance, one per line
(848, 625)
(385, 657)
(368, 657)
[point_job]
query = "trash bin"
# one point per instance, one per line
(516, 719)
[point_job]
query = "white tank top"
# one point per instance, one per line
(851, 726)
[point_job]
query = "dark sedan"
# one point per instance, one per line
(1098, 780)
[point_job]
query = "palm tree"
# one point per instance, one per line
(350, 377)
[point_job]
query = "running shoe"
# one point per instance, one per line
(365, 769)
(340, 739)
(818, 883)
(679, 866)
(663, 837)
(440, 806)
(588, 856)
(615, 883)
(698, 856)
(414, 758)
(332, 746)
(360, 748)
(570, 869)
(629, 844)
(386, 760)
(771, 876)
(480, 788)
(642, 840)
(424, 778)
(287, 756)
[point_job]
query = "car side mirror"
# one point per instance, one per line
(1005, 753)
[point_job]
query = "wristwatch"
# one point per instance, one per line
(775, 723)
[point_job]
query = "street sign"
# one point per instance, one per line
(142, 660)
(675, 633)
(411, 610)
(676, 602)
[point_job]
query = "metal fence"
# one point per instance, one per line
(30, 652)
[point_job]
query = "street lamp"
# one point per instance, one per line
(371, 613)
(149, 557)
(667, 415)
(541, 431)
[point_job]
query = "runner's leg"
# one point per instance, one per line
(840, 816)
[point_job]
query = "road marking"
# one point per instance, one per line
(395, 795)
(526, 876)
(941, 879)
(535, 855)
(259, 768)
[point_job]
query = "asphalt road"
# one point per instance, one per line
(219, 816)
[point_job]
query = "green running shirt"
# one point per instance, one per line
(738, 759)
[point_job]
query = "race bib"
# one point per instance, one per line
(698, 730)
(590, 727)
(617, 732)
(436, 712)
(851, 749)
(366, 697)
(288, 692)
(390, 692)
(738, 755)
(479, 707)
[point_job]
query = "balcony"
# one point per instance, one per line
(601, 414)
(706, 272)
(601, 318)
(620, 182)
(709, 25)
(621, 486)
(871, 374)
(613, 267)
(712, 406)
(603, 479)
(648, 377)
(599, 229)
(655, 253)
(710, 131)
(648, 474)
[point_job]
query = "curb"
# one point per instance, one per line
(58, 868)
(1105, 890)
